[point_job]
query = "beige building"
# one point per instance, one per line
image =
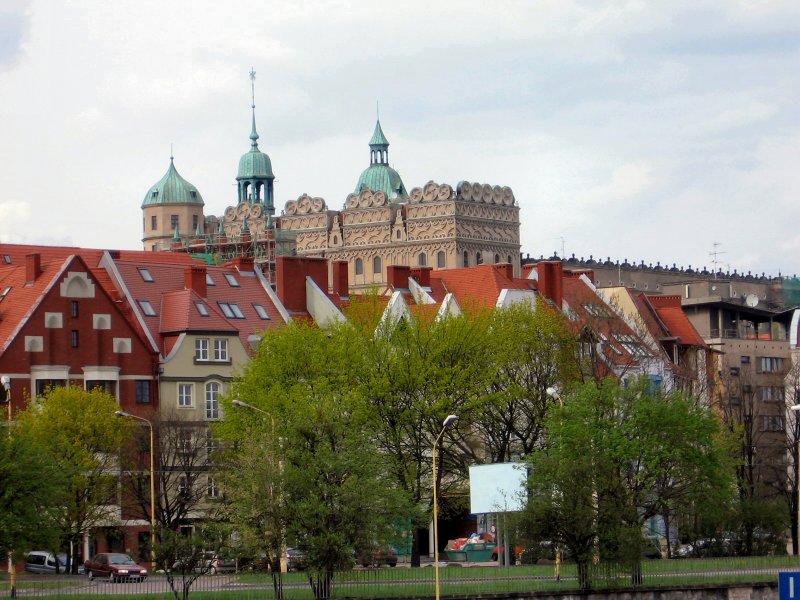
(382, 225)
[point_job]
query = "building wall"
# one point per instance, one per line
(372, 234)
(107, 347)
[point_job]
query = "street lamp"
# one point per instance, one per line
(126, 415)
(796, 407)
(447, 422)
(241, 404)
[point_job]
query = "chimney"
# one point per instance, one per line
(551, 280)
(194, 278)
(290, 279)
(33, 267)
(422, 275)
(505, 269)
(340, 278)
(245, 264)
(397, 276)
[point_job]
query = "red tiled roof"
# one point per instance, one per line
(669, 310)
(479, 285)
(169, 279)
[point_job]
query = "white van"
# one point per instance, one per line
(41, 561)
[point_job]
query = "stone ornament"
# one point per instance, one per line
(365, 199)
(485, 193)
(304, 205)
(431, 192)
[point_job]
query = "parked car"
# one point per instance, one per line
(295, 559)
(377, 556)
(42, 561)
(116, 567)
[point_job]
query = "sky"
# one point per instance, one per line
(661, 131)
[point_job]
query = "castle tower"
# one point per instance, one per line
(255, 178)
(379, 176)
(171, 206)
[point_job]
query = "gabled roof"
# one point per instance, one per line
(21, 296)
(165, 291)
(181, 312)
(673, 319)
(480, 285)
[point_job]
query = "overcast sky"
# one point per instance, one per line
(630, 129)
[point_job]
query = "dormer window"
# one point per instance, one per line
(261, 312)
(201, 308)
(231, 310)
(231, 280)
(145, 273)
(193, 194)
(147, 308)
(210, 280)
(154, 195)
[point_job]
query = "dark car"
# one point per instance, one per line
(295, 559)
(377, 556)
(114, 566)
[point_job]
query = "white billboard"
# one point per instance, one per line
(497, 488)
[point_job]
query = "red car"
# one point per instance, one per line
(116, 567)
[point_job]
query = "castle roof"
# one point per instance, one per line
(172, 189)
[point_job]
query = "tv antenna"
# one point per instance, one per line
(714, 254)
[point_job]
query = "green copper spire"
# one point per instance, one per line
(255, 178)
(378, 139)
(379, 176)
(253, 132)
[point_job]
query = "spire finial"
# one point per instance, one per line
(253, 133)
(171, 153)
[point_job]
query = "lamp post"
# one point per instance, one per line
(241, 404)
(447, 422)
(126, 415)
(12, 567)
(795, 408)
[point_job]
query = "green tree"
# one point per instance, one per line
(616, 457)
(31, 485)
(80, 432)
(335, 495)
(418, 372)
(532, 351)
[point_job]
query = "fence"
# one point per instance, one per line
(404, 582)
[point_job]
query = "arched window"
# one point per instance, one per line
(440, 259)
(422, 259)
(478, 258)
(466, 258)
(376, 264)
(398, 234)
(335, 240)
(212, 400)
(497, 259)
(509, 259)
(359, 266)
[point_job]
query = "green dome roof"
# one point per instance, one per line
(379, 176)
(255, 165)
(172, 189)
(382, 178)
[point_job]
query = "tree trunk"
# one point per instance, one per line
(584, 575)
(415, 559)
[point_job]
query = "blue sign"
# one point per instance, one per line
(789, 585)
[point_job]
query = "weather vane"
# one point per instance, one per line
(253, 85)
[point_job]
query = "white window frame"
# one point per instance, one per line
(220, 349)
(201, 348)
(185, 395)
(213, 389)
